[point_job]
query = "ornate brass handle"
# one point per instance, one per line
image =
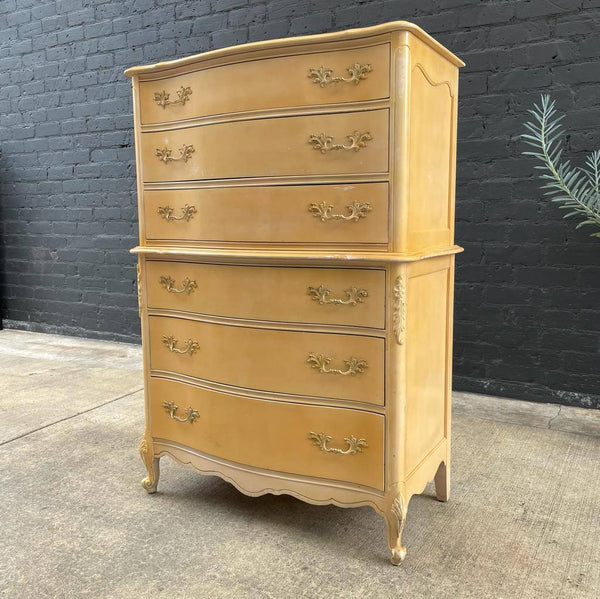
(167, 212)
(183, 95)
(324, 143)
(191, 347)
(185, 153)
(190, 414)
(324, 211)
(354, 445)
(168, 283)
(324, 76)
(321, 362)
(353, 294)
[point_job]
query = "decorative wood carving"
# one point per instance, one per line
(399, 315)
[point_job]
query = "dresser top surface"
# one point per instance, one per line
(292, 42)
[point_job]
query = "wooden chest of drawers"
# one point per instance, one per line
(296, 263)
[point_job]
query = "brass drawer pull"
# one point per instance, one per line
(190, 414)
(324, 76)
(185, 153)
(191, 347)
(356, 211)
(183, 95)
(353, 294)
(168, 283)
(324, 143)
(321, 362)
(354, 445)
(167, 212)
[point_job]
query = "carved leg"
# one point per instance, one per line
(442, 482)
(150, 483)
(396, 519)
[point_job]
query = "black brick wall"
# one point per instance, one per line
(528, 285)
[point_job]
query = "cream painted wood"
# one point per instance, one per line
(269, 214)
(350, 38)
(427, 317)
(265, 84)
(356, 297)
(277, 256)
(268, 148)
(248, 355)
(270, 359)
(431, 149)
(271, 435)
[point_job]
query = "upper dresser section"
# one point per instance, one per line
(289, 81)
(344, 138)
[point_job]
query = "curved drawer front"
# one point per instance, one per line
(303, 80)
(270, 434)
(326, 214)
(269, 148)
(270, 360)
(312, 295)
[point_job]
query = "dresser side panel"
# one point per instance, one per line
(135, 88)
(431, 146)
(141, 260)
(428, 323)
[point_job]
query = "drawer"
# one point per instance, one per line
(308, 214)
(268, 83)
(270, 434)
(269, 148)
(312, 295)
(278, 361)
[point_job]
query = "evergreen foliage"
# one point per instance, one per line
(577, 190)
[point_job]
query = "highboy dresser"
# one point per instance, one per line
(296, 264)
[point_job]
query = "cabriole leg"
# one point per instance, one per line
(396, 518)
(150, 483)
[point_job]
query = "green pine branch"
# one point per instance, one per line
(577, 190)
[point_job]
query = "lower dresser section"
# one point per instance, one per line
(317, 441)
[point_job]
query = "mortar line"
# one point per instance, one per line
(71, 416)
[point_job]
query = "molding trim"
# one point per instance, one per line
(431, 81)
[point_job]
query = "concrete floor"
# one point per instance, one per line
(523, 520)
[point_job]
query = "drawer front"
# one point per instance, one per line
(271, 360)
(269, 148)
(270, 434)
(269, 83)
(310, 295)
(309, 214)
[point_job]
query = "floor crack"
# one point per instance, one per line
(72, 416)
(554, 417)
